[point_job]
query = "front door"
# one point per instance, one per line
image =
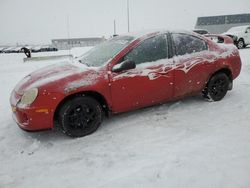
(150, 82)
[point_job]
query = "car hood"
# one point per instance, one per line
(54, 73)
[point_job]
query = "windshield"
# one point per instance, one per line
(100, 54)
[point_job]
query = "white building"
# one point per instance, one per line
(63, 44)
(220, 24)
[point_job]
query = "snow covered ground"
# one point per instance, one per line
(188, 143)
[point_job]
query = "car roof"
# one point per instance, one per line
(143, 33)
(149, 33)
(241, 27)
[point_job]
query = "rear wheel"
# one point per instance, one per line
(80, 116)
(217, 87)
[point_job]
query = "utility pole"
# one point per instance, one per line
(114, 28)
(68, 33)
(128, 15)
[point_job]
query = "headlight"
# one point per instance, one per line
(29, 96)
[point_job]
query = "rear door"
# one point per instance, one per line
(150, 82)
(192, 62)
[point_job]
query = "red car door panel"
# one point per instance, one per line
(150, 82)
(143, 86)
(191, 72)
(192, 64)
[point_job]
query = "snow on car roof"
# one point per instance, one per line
(9, 48)
(183, 31)
(238, 28)
(145, 33)
(29, 47)
(36, 47)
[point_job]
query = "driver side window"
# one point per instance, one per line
(150, 50)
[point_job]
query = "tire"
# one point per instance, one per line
(217, 87)
(240, 44)
(80, 116)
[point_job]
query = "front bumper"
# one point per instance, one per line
(31, 118)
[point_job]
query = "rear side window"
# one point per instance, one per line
(150, 50)
(187, 44)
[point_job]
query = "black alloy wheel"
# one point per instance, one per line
(217, 87)
(240, 44)
(80, 116)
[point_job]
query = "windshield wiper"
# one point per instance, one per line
(84, 62)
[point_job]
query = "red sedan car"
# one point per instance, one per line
(122, 74)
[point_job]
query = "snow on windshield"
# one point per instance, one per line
(102, 53)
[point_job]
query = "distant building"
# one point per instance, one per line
(220, 24)
(63, 44)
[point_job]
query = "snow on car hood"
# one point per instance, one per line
(50, 74)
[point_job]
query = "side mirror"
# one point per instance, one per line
(125, 65)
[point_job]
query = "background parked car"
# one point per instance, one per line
(45, 48)
(18, 49)
(240, 35)
(1, 49)
(9, 50)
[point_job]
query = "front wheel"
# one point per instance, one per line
(80, 116)
(240, 44)
(217, 87)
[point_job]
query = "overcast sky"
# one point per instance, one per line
(39, 21)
